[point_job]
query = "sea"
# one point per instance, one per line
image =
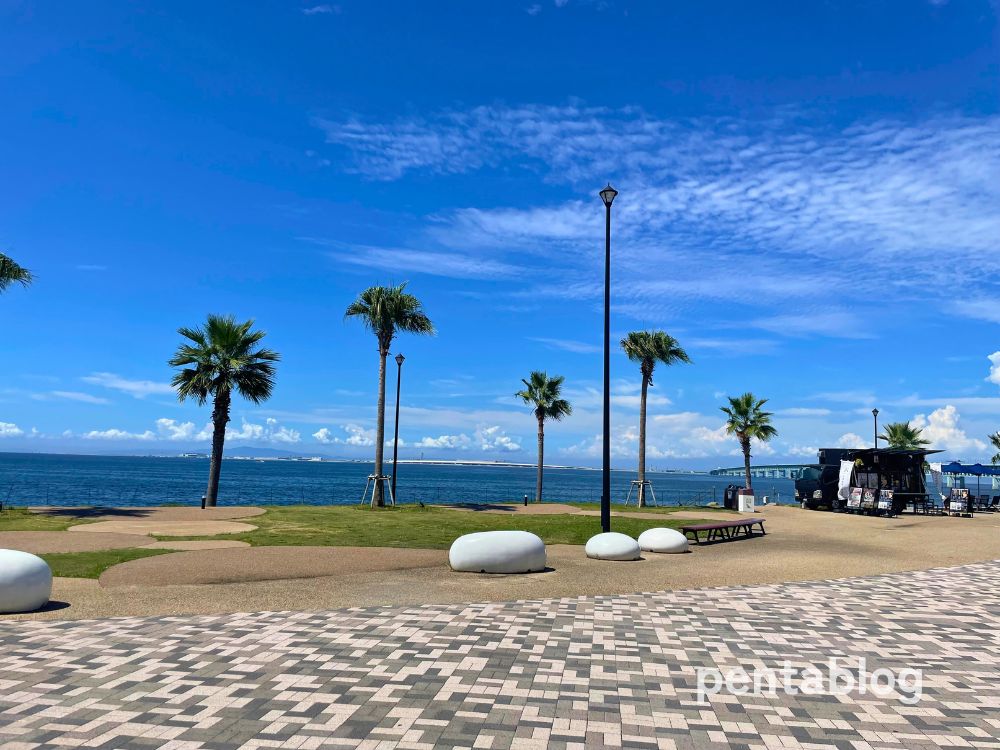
(39, 479)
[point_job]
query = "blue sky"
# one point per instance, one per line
(810, 203)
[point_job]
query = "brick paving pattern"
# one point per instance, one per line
(617, 671)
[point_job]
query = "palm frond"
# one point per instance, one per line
(747, 419)
(386, 310)
(221, 357)
(545, 395)
(12, 273)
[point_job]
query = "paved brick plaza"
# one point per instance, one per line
(587, 672)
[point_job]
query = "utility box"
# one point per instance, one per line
(745, 501)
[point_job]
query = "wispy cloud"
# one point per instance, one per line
(568, 345)
(784, 208)
(134, 388)
(832, 323)
(321, 10)
(404, 260)
(85, 398)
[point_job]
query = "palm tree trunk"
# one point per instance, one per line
(642, 441)
(220, 418)
(541, 459)
(378, 495)
(745, 444)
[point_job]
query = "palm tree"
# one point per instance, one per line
(748, 421)
(386, 310)
(545, 394)
(995, 439)
(11, 273)
(218, 358)
(647, 348)
(901, 435)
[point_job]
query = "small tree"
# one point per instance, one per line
(747, 420)
(218, 358)
(545, 395)
(647, 348)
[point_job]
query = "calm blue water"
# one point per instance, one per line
(47, 479)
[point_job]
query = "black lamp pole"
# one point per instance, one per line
(395, 438)
(875, 414)
(608, 196)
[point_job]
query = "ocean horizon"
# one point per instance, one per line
(41, 479)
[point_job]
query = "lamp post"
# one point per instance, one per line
(875, 414)
(608, 196)
(395, 437)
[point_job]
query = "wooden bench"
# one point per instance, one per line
(724, 529)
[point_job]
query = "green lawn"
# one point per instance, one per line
(92, 564)
(665, 509)
(429, 528)
(19, 519)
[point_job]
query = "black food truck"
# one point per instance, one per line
(886, 479)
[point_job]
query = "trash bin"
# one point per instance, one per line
(729, 497)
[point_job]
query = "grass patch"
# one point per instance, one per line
(20, 519)
(664, 509)
(92, 564)
(427, 528)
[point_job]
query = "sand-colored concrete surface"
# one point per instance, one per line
(799, 545)
(196, 544)
(42, 542)
(266, 564)
(195, 513)
(164, 527)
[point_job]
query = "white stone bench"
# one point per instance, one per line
(613, 546)
(663, 540)
(25, 581)
(497, 552)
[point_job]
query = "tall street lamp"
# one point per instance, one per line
(875, 414)
(608, 196)
(395, 438)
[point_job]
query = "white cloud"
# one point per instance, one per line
(455, 442)
(356, 436)
(533, 10)
(9, 429)
(269, 432)
(495, 439)
(994, 376)
(116, 434)
(805, 451)
(941, 428)
(134, 388)
(852, 440)
(171, 429)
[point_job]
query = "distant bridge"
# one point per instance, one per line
(775, 471)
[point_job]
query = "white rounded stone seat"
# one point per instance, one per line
(497, 552)
(663, 540)
(25, 581)
(613, 545)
